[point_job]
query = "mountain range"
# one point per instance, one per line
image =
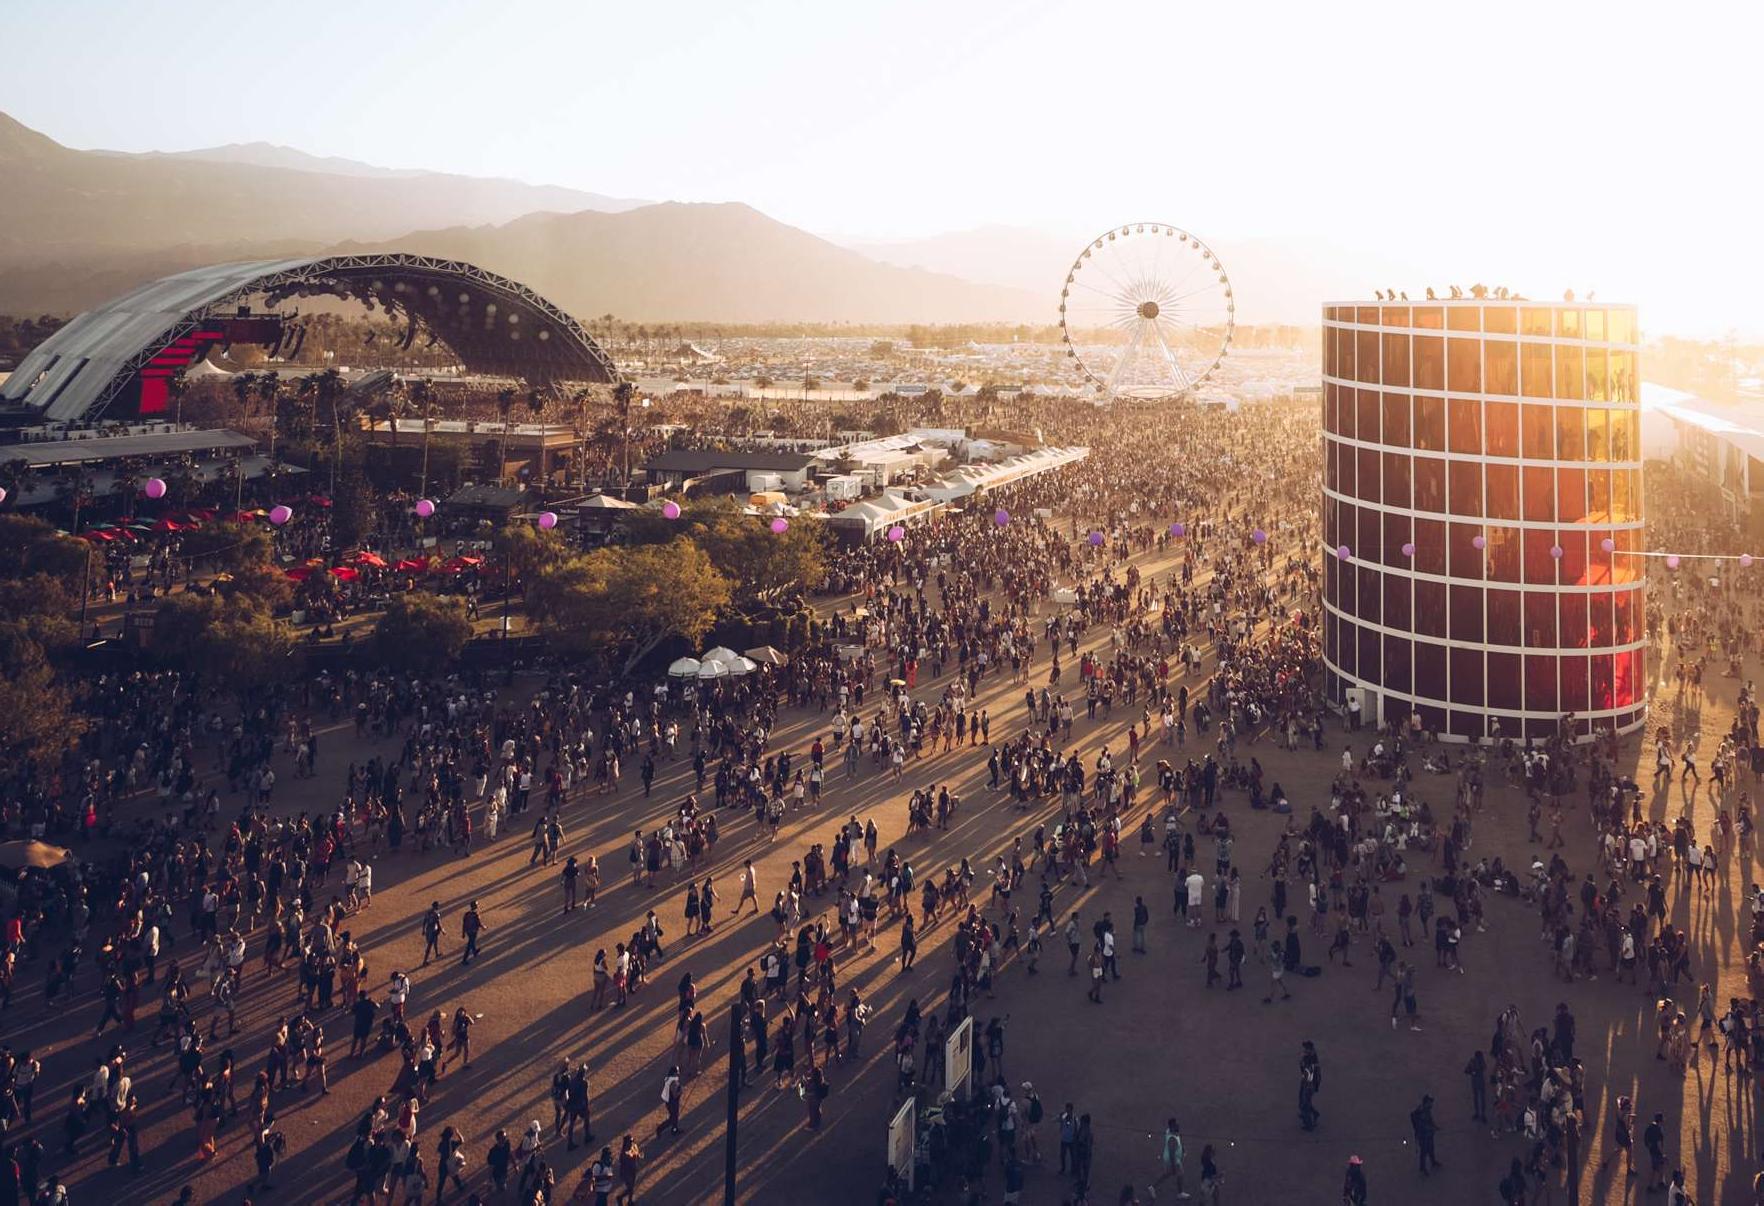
(77, 227)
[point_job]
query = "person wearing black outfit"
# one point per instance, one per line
(1353, 1186)
(1477, 1071)
(471, 925)
(1310, 1082)
(1421, 1119)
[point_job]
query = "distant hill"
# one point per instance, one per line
(500, 199)
(109, 202)
(77, 227)
(725, 262)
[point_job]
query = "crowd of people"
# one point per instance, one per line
(1100, 659)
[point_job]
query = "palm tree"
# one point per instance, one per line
(177, 387)
(242, 383)
(504, 407)
(268, 387)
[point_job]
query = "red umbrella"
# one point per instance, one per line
(369, 559)
(413, 565)
(345, 573)
(169, 525)
(299, 573)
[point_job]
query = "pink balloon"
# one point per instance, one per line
(1259, 536)
(897, 533)
(1409, 549)
(155, 488)
(425, 508)
(1478, 542)
(1001, 517)
(1672, 561)
(1342, 552)
(280, 515)
(1178, 529)
(1609, 545)
(548, 519)
(1745, 558)
(2, 494)
(1556, 551)
(1096, 538)
(780, 525)
(670, 510)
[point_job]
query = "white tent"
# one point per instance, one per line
(709, 669)
(740, 666)
(721, 653)
(686, 667)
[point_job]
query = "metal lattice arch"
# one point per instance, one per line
(125, 348)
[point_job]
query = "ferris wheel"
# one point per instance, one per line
(1146, 312)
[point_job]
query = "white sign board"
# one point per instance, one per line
(902, 1137)
(958, 1058)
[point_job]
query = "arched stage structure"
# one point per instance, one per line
(118, 360)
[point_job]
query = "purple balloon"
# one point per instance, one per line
(155, 488)
(1745, 558)
(1001, 517)
(670, 510)
(780, 525)
(1409, 548)
(1672, 561)
(280, 515)
(1096, 538)
(1609, 545)
(1259, 536)
(1479, 542)
(897, 533)
(1342, 552)
(2, 494)
(1556, 551)
(425, 508)
(548, 519)
(1178, 529)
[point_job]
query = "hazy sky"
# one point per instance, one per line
(1537, 144)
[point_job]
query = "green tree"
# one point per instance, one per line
(229, 546)
(761, 562)
(30, 546)
(260, 583)
(531, 550)
(631, 598)
(422, 633)
(41, 722)
(227, 641)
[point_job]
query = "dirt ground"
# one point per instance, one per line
(1160, 1045)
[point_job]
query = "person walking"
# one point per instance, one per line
(432, 932)
(471, 925)
(1310, 1083)
(1425, 1128)
(630, 1160)
(1172, 1160)
(672, 1089)
(1276, 959)
(1654, 1139)
(749, 888)
(1353, 1185)
(1477, 1071)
